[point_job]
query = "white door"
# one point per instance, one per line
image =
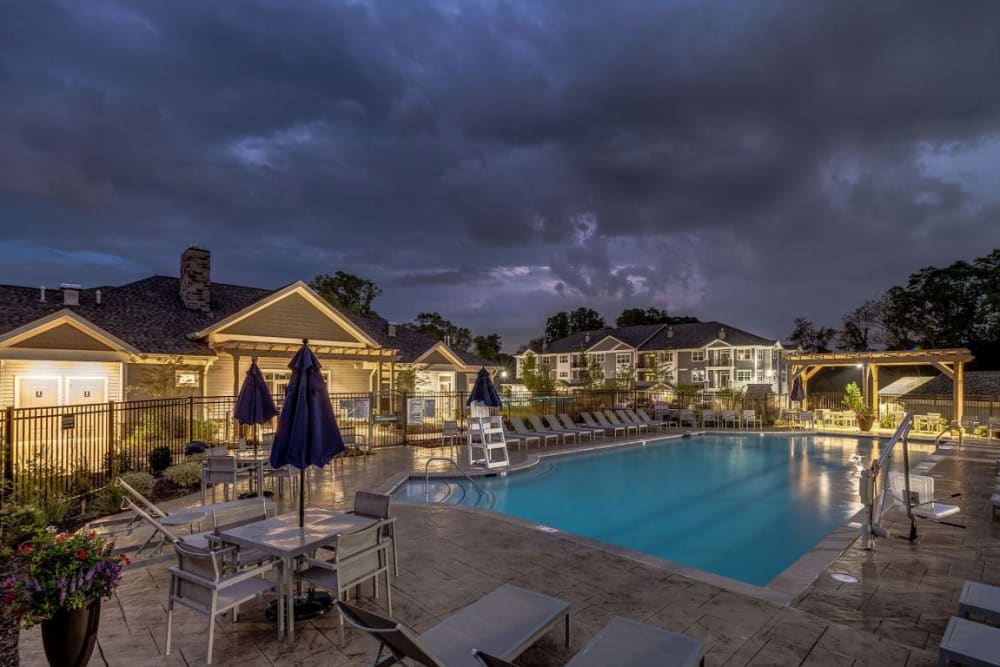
(37, 392)
(81, 391)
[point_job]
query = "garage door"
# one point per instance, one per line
(37, 392)
(81, 391)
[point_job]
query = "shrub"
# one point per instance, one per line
(17, 523)
(160, 459)
(164, 488)
(140, 481)
(185, 474)
(156, 428)
(107, 501)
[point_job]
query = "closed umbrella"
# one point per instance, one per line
(307, 429)
(483, 391)
(798, 391)
(254, 405)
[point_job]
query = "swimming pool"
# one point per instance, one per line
(743, 506)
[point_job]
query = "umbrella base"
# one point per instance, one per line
(307, 606)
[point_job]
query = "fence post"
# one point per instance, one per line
(8, 452)
(111, 440)
(404, 415)
(371, 416)
(190, 433)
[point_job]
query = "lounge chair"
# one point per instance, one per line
(642, 414)
(922, 490)
(627, 643)
(555, 425)
(969, 643)
(650, 423)
(540, 427)
(602, 419)
(569, 423)
(522, 430)
(709, 417)
(980, 599)
(729, 417)
(687, 416)
(588, 419)
(504, 623)
(625, 419)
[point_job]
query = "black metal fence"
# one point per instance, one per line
(981, 407)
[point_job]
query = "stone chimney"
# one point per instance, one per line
(196, 280)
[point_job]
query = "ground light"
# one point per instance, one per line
(844, 578)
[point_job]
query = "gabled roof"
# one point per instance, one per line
(147, 314)
(656, 337)
(411, 343)
(977, 383)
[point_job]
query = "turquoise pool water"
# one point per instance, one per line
(743, 506)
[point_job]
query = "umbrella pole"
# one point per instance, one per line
(302, 497)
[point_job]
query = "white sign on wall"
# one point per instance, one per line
(414, 411)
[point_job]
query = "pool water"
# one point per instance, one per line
(743, 506)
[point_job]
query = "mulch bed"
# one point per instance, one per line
(8, 643)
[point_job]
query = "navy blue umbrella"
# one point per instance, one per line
(307, 430)
(798, 392)
(254, 405)
(483, 391)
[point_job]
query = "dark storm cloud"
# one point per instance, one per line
(744, 161)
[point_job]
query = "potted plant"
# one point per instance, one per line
(853, 401)
(17, 524)
(58, 580)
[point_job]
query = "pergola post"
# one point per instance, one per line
(874, 402)
(236, 374)
(958, 391)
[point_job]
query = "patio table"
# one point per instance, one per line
(281, 536)
(249, 460)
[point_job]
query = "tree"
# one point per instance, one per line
(626, 376)
(438, 328)
(537, 380)
(810, 338)
(406, 380)
(487, 347)
(155, 381)
(585, 319)
(594, 375)
(557, 326)
(347, 291)
(635, 316)
(862, 328)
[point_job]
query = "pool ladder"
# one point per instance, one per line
(483, 493)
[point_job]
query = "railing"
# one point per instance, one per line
(483, 493)
(875, 489)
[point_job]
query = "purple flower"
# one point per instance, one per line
(62, 582)
(62, 597)
(90, 574)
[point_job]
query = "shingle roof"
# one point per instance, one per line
(410, 342)
(148, 314)
(658, 337)
(977, 383)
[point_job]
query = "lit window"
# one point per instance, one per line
(187, 379)
(698, 355)
(563, 358)
(744, 355)
(743, 375)
(599, 358)
(666, 356)
(564, 374)
(697, 376)
(623, 358)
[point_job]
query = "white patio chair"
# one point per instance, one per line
(225, 471)
(729, 417)
(202, 582)
(709, 417)
(749, 419)
(806, 420)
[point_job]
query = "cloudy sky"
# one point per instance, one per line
(746, 161)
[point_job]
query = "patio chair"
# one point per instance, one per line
(217, 450)
(224, 470)
(505, 623)
(539, 427)
(650, 423)
(627, 643)
(981, 600)
(993, 427)
(728, 417)
(357, 558)
(969, 423)
(568, 422)
(620, 416)
(709, 417)
(200, 582)
(450, 433)
(603, 420)
(750, 418)
(555, 424)
(522, 430)
(806, 420)
(589, 420)
(163, 532)
(969, 643)
(687, 416)
(378, 506)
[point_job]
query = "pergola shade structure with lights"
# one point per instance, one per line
(951, 362)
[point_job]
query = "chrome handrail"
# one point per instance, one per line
(427, 474)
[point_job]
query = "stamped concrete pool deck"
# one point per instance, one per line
(449, 557)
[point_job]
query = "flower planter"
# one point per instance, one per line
(69, 636)
(865, 422)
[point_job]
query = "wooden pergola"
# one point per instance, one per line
(949, 361)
